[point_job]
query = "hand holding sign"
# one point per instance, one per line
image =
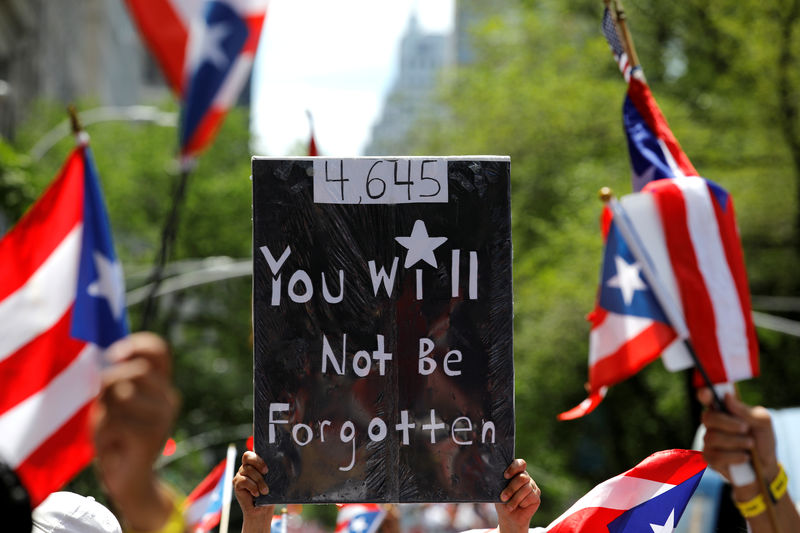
(383, 326)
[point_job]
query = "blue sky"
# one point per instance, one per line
(336, 59)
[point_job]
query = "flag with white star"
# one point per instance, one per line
(648, 498)
(99, 313)
(687, 233)
(61, 303)
(206, 50)
(629, 328)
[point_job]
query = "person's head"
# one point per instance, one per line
(15, 506)
(67, 512)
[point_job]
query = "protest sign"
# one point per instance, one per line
(382, 310)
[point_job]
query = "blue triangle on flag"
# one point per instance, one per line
(99, 310)
(626, 292)
(656, 511)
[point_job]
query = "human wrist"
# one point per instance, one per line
(257, 524)
(744, 493)
(145, 506)
(510, 526)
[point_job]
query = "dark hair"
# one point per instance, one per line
(15, 505)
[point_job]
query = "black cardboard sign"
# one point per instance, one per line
(383, 365)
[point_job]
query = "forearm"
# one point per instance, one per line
(146, 507)
(260, 522)
(255, 526)
(784, 509)
(509, 526)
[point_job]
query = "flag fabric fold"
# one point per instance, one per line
(202, 509)
(649, 497)
(206, 51)
(62, 301)
(654, 151)
(688, 227)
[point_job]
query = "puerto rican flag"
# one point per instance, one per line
(206, 50)
(688, 229)
(203, 507)
(650, 497)
(654, 151)
(62, 302)
(629, 327)
(359, 518)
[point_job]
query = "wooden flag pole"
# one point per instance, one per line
(676, 321)
(620, 20)
(74, 121)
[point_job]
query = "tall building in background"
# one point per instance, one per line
(67, 51)
(423, 56)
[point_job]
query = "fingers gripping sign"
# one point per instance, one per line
(248, 483)
(521, 498)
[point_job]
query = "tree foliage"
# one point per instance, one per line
(545, 90)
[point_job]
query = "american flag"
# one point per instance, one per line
(654, 151)
(620, 56)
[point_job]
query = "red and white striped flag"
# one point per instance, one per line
(688, 229)
(205, 506)
(683, 276)
(62, 301)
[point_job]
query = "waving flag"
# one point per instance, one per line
(629, 327)
(205, 49)
(649, 497)
(62, 301)
(203, 507)
(359, 518)
(688, 228)
(653, 149)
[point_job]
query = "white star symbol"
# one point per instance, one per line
(212, 45)
(627, 279)
(668, 527)
(109, 284)
(359, 524)
(420, 245)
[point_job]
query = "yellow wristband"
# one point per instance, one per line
(778, 486)
(753, 507)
